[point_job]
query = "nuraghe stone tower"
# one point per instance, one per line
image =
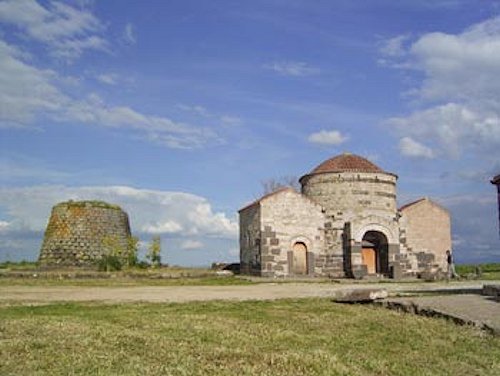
(79, 231)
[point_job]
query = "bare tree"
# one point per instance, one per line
(274, 184)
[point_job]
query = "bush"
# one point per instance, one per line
(109, 263)
(154, 252)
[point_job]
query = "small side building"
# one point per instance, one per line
(282, 234)
(425, 232)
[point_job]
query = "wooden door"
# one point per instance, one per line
(368, 259)
(299, 263)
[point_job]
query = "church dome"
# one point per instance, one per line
(347, 162)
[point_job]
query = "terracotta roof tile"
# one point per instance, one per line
(347, 162)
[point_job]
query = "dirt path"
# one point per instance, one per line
(262, 291)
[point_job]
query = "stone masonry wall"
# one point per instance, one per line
(288, 217)
(364, 200)
(250, 238)
(80, 232)
(426, 233)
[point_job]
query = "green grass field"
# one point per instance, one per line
(489, 271)
(287, 337)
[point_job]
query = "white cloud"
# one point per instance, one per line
(67, 30)
(129, 34)
(191, 244)
(453, 126)
(27, 93)
(167, 227)
(25, 90)
(460, 92)
(410, 148)
(292, 68)
(4, 225)
(153, 212)
(231, 120)
(107, 78)
(327, 138)
(394, 47)
(198, 110)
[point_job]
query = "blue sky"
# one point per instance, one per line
(178, 110)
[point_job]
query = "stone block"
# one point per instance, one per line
(359, 295)
(359, 271)
(396, 271)
(492, 290)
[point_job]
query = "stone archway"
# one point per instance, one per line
(299, 260)
(375, 252)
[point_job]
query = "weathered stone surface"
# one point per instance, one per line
(359, 295)
(80, 232)
(492, 290)
(426, 231)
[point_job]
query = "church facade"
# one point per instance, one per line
(344, 223)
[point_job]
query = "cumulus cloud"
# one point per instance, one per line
(411, 148)
(191, 244)
(151, 211)
(292, 68)
(460, 93)
(324, 137)
(169, 214)
(68, 31)
(454, 127)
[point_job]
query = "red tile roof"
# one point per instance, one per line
(346, 162)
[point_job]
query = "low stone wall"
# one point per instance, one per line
(80, 232)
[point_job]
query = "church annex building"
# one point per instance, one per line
(345, 223)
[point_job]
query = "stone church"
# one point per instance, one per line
(344, 223)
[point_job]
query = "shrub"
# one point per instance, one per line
(109, 263)
(154, 252)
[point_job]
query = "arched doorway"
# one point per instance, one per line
(375, 252)
(299, 262)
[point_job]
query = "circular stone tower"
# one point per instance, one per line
(351, 184)
(359, 201)
(80, 232)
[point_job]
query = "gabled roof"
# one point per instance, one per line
(421, 200)
(258, 201)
